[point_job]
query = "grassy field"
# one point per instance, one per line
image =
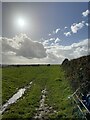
(50, 77)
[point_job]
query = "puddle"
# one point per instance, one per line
(14, 98)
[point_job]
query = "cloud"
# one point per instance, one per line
(65, 27)
(57, 40)
(77, 26)
(30, 49)
(13, 59)
(48, 42)
(87, 24)
(57, 53)
(23, 46)
(49, 34)
(8, 46)
(51, 41)
(30, 52)
(72, 51)
(56, 31)
(67, 34)
(86, 13)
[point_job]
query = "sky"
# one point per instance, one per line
(44, 32)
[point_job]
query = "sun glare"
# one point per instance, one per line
(21, 22)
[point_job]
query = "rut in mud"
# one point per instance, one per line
(44, 110)
(14, 98)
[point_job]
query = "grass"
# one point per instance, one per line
(14, 78)
(52, 77)
(58, 92)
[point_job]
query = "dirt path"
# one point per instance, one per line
(44, 109)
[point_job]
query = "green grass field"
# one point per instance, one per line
(52, 77)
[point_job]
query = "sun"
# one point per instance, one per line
(21, 22)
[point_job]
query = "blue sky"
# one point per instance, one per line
(52, 24)
(47, 17)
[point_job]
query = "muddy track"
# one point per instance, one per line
(14, 98)
(44, 110)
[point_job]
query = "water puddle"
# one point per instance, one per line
(14, 98)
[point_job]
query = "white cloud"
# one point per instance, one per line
(36, 51)
(77, 26)
(87, 24)
(13, 59)
(57, 40)
(86, 13)
(57, 53)
(23, 46)
(67, 33)
(72, 51)
(52, 39)
(56, 31)
(49, 34)
(30, 49)
(65, 27)
(48, 42)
